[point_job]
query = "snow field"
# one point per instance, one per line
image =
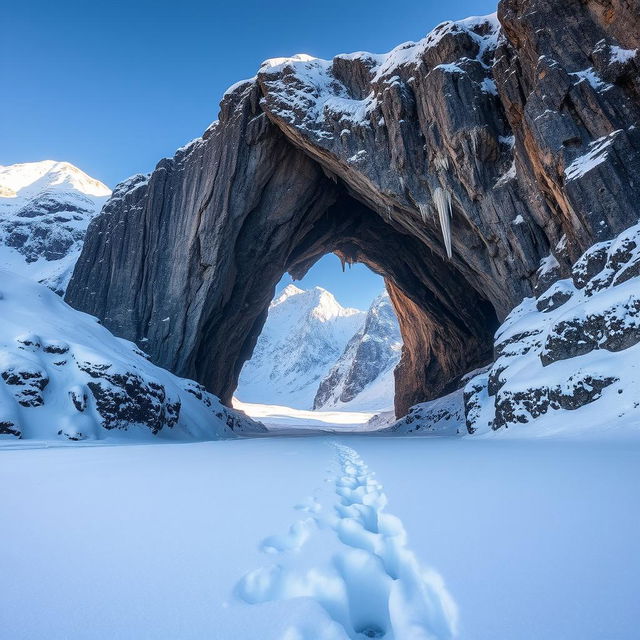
(374, 586)
(534, 539)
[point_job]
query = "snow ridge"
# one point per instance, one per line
(305, 333)
(363, 377)
(45, 209)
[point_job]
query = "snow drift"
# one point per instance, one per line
(62, 375)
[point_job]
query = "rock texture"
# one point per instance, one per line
(512, 139)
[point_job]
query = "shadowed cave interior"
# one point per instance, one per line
(447, 326)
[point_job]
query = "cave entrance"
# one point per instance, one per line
(447, 324)
(196, 292)
(330, 344)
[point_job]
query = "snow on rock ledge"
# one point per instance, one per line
(63, 375)
(565, 362)
(570, 357)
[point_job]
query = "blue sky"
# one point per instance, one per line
(114, 86)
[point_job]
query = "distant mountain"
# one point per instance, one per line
(304, 335)
(314, 353)
(363, 375)
(45, 209)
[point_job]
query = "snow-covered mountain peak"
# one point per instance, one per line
(363, 375)
(30, 178)
(305, 333)
(289, 291)
(45, 208)
(313, 352)
(316, 302)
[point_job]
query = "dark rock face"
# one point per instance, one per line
(26, 382)
(123, 399)
(526, 127)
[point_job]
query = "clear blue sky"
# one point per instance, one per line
(114, 86)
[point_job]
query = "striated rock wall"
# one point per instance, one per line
(452, 166)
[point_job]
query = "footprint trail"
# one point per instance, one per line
(372, 585)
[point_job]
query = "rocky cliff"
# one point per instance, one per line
(453, 166)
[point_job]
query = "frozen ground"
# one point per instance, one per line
(318, 538)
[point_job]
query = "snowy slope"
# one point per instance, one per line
(62, 375)
(568, 361)
(363, 375)
(45, 208)
(305, 333)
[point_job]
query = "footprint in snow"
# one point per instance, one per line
(374, 586)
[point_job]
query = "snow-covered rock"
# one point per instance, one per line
(304, 335)
(571, 356)
(441, 417)
(45, 208)
(63, 375)
(566, 361)
(363, 375)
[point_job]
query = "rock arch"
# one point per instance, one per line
(357, 156)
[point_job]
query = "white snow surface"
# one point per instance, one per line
(41, 335)
(280, 419)
(45, 209)
(596, 155)
(305, 333)
(325, 538)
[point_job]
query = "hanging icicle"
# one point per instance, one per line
(424, 212)
(441, 162)
(442, 200)
(475, 139)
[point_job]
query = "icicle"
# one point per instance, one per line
(442, 200)
(342, 262)
(389, 212)
(424, 212)
(475, 138)
(441, 162)
(401, 183)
